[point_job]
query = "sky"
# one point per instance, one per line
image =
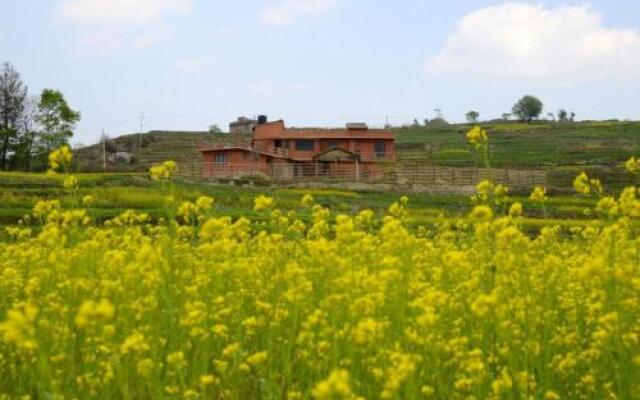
(188, 64)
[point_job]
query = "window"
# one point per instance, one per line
(304, 145)
(379, 148)
(333, 144)
(221, 158)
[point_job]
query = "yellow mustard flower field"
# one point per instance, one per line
(352, 307)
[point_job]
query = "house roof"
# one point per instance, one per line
(277, 130)
(317, 133)
(217, 149)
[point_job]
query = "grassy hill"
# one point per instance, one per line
(606, 143)
(148, 148)
(602, 143)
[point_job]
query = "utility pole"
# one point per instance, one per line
(140, 134)
(104, 150)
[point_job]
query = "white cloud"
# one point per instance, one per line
(285, 12)
(108, 25)
(515, 40)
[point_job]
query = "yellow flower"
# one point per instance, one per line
(70, 182)
(263, 203)
(163, 171)
(551, 395)
(481, 213)
(307, 200)
(257, 358)
(477, 137)
(538, 195)
(204, 203)
(207, 380)
(337, 385)
(88, 200)
(60, 158)
(632, 165)
(145, 367)
(19, 327)
(134, 343)
(91, 310)
(515, 210)
(585, 186)
(176, 359)
(502, 384)
(483, 304)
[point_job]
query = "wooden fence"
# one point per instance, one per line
(388, 173)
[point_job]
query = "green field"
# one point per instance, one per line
(513, 145)
(524, 145)
(116, 192)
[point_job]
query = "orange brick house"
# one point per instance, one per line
(355, 152)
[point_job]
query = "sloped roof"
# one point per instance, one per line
(335, 152)
(317, 133)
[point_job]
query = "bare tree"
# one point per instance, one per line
(28, 136)
(13, 94)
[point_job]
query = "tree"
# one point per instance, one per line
(13, 94)
(214, 129)
(28, 135)
(562, 115)
(415, 123)
(506, 116)
(56, 119)
(527, 108)
(572, 116)
(551, 116)
(472, 116)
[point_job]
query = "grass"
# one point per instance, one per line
(116, 192)
(525, 145)
(514, 145)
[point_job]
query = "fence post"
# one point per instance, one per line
(374, 171)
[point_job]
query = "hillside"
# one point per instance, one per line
(605, 143)
(512, 145)
(155, 146)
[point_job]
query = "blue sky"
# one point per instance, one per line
(190, 63)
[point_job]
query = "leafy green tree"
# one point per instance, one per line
(472, 116)
(56, 119)
(13, 95)
(527, 108)
(563, 116)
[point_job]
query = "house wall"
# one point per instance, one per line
(238, 163)
(365, 147)
(241, 128)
